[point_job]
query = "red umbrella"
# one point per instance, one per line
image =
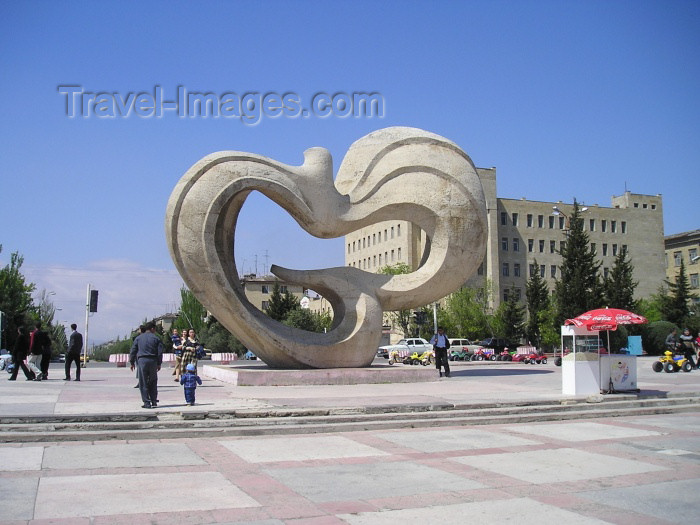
(606, 319)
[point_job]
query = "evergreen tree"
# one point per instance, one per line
(537, 294)
(676, 307)
(512, 316)
(192, 313)
(15, 299)
(579, 288)
(280, 305)
(619, 284)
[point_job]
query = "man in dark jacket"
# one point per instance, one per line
(75, 346)
(147, 353)
(441, 344)
(41, 352)
(19, 354)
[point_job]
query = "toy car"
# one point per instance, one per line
(672, 363)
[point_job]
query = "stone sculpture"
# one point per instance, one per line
(395, 173)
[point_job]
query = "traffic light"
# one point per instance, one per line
(93, 301)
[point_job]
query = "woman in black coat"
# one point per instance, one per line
(19, 354)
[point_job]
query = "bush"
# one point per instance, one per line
(655, 336)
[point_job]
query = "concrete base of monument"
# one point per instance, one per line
(259, 374)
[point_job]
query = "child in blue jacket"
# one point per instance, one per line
(190, 379)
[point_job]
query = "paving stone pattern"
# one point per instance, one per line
(625, 470)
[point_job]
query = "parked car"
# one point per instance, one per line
(250, 356)
(405, 347)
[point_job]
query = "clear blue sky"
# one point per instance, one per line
(567, 99)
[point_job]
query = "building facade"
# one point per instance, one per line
(259, 289)
(683, 247)
(525, 236)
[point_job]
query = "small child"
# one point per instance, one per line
(190, 379)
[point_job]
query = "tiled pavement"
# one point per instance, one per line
(632, 470)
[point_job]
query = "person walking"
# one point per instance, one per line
(75, 346)
(441, 344)
(190, 380)
(19, 354)
(177, 350)
(40, 342)
(147, 353)
(189, 349)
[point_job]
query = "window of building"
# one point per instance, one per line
(506, 270)
(562, 222)
(504, 218)
(551, 222)
(623, 226)
(392, 255)
(505, 295)
(530, 244)
(694, 280)
(392, 232)
(562, 245)
(529, 220)
(380, 259)
(692, 253)
(516, 244)
(605, 249)
(614, 248)
(553, 271)
(552, 246)
(540, 221)
(374, 239)
(644, 205)
(348, 247)
(591, 224)
(636, 205)
(385, 237)
(624, 248)
(398, 230)
(353, 246)
(363, 242)
(613, 226)
(399, 253)
(265, 288)
(653, 206)
(533, 269)
(283, 288)
(517, 294)
(516, 269)
(542, 270)
(541, 245)
(265, 305)
(374, 261)
(677, 258)
(504, 244)
(514, 218)
(603, 225)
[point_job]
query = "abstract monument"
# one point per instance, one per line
(395, 173)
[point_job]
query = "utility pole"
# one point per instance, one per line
(90, 306)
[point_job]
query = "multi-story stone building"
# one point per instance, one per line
(525, 236)
(683, 247)
(259, 289)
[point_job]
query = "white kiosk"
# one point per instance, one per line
(580, 364)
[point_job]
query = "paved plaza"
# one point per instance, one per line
(623, 470)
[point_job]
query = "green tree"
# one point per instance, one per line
(579, 288)
(218, 339)
(676, 307)
(400, 318)
(304, 319)
(15, 299)
(537, 294)
(191, 313)
(467, 312)
(619, 284)
(511, 314)
(281, 304)
(652, 307)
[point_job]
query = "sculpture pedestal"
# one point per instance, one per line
(252, 375)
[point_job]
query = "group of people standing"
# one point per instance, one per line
(147, 357)
(686, 344)
(32, 353)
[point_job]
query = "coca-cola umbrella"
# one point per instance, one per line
(606, 319)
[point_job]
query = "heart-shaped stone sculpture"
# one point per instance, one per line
(392, 174)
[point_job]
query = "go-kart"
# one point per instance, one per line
(413, 359)
(671, 363)
(537, 358)
(459, 355)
